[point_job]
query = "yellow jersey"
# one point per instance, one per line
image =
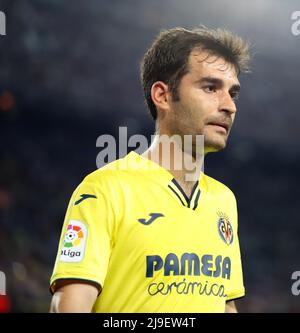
(131, 230)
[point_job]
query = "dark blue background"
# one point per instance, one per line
(69, 72)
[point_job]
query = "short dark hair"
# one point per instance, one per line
(167, 58)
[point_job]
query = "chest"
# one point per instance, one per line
(162, 224)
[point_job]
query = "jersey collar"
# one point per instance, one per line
(190, 202)
(142, 163)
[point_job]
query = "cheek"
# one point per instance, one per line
(193, 110)
(201, 108)
(204, 102)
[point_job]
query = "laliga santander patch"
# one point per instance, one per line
(74, 242)
(225, 228)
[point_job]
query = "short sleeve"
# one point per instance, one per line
(86, 238)
(236, 287)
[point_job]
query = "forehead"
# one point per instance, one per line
(202, 63)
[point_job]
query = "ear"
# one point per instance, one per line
(160, 95)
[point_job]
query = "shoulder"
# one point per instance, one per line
(223, 198)
(107, 173)
(104, 185)
(110, 179)
(216, 187)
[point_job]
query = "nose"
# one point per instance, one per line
(227, 104)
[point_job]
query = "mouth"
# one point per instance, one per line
(221, 126)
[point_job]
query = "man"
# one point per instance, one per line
(141, 236)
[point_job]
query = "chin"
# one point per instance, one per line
(212, 147)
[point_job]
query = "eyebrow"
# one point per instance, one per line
(218, 82)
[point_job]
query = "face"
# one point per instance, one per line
(206, 103)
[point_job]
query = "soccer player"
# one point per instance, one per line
(141, 236)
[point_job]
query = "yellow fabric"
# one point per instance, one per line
(179, 262)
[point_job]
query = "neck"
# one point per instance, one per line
(173, 155)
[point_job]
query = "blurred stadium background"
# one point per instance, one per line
(69, 72)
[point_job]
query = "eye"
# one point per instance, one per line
(210, 88)
(234, 95)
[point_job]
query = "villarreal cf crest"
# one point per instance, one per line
(225, 228)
